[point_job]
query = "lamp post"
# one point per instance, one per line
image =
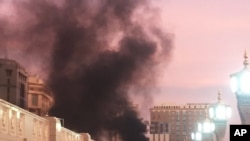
(196, 136)
(204, 131)
(220, 113)
(240, 85)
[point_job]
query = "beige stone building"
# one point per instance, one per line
(17, 124)
(175, 122)
(27, 92)
(19, 92)
(40, 98)
(13, 82)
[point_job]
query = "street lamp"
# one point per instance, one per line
(207, 126)
(204, 131)
(220, 113)
(240, 85)
(196, 136)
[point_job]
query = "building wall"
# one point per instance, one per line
(176, 120)
(13, 82)
(17, 124)
(40, 98)
(159, 137)
(19, 89)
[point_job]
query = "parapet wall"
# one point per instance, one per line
(17, 124)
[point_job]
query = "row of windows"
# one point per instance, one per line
(177, 118)
(167, 107)
(176, 107)
(157, 127)
(159, 130)
(183, 127)
(34, 101)
(181, 133)
(176, 115)
(180, 137)
(22, 77)
(180, 112)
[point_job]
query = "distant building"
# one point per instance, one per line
(40, 98)
(13, 82)
(175, 122)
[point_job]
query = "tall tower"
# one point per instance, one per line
(220, 113)
(13, 82)
(240, 84)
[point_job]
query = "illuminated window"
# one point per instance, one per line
(153, 115)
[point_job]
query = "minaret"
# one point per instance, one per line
(244, 100)
(240, 83)
(220, 113)
(245, 62)
(220, 125)
(219, 96)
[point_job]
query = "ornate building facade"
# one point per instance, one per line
(175, 122)
(13, 82)
(40, 98)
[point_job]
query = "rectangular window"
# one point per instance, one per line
(166, 128)
(8, 72)
(22, 96)
(8, 90)
(32, 88)
(184, 113)
(34, 99)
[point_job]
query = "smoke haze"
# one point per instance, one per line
(94, 54)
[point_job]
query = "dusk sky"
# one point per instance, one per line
(210, 39)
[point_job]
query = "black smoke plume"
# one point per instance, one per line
(94, 52)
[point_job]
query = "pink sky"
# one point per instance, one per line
(210, 39)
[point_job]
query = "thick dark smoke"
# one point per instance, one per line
(98, 50)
